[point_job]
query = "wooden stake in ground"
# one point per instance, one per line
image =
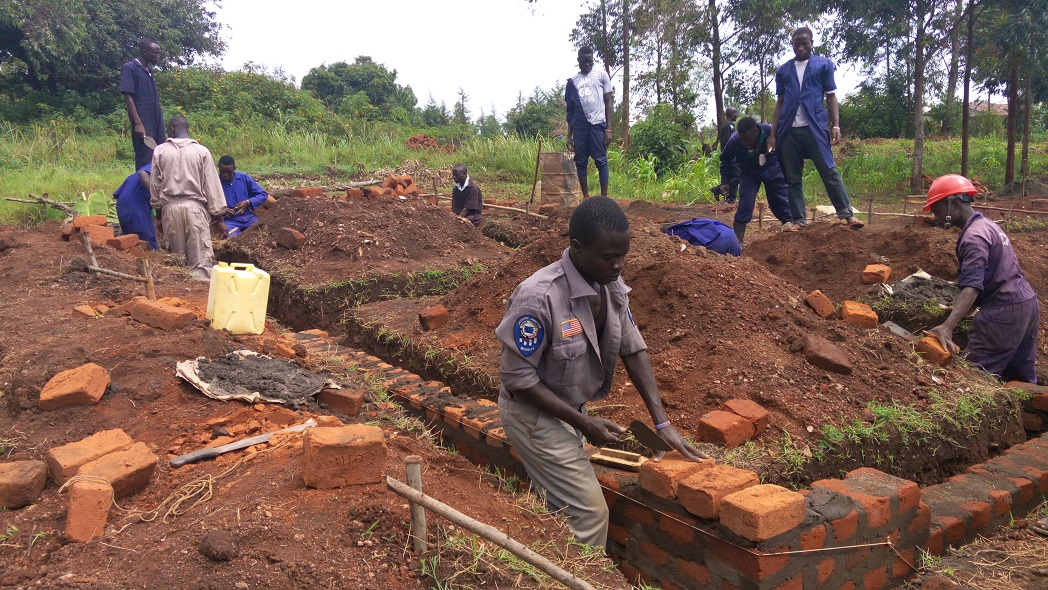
(147, 272)
(869, 212)
(488, 532)
(419, 533)
(535, 181)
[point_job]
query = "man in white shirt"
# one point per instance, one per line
(588, 95)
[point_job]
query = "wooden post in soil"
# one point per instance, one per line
(85, 239)
(413, 466)
(760, 216)
(147, 272)
(436, 195)
(869, 212)
(535, 180)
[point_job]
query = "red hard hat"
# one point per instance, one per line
(946, 186)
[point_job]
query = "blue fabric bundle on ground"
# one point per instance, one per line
(708, 233)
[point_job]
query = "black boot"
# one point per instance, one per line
(740, 231)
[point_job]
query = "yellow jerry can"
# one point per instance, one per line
(237, 298)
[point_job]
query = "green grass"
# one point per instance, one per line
(53, 158)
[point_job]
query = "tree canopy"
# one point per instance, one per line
(343, 87)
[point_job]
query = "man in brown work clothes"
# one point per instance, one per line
(184, 188)
(466, 200)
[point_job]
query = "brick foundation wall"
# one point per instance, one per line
(861, 532)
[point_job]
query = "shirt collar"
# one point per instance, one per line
(579, 286)
(463, 186)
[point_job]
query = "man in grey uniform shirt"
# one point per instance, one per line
(564, 330)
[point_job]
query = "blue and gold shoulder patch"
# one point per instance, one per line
(528, 334)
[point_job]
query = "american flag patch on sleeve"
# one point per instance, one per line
(570, 328)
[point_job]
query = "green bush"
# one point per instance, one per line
(661, 137)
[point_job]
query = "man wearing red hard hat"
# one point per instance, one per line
(1003, 335)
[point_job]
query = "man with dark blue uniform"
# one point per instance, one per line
(806, 122)
(243, 196)
(1002, 339)
(132, 207)
(143, 104)
(745, 163)
(564, 330)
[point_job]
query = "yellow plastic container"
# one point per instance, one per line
(237, 298)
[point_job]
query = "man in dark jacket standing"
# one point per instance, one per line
(746, 164)
(143, 104)
(466, 199)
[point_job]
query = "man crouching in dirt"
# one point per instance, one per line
(184, 188)
(466, 199)
(564, 329)
(1003, 336)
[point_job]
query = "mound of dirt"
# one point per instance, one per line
(347, 239)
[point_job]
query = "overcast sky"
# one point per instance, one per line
(492, 49)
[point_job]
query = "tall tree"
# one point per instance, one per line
(80, 44)
(460, 111)
(666, 39)
(335, 83)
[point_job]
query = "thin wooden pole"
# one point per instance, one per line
(760, 216)
(869, 212)
(114, 273)
(1009, 210)
(85, 239)
(147, 272)
(535, 181)
(488, 532)
(502, 208)
(419, 532)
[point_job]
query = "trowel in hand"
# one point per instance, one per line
(648, 437)
(150, 142)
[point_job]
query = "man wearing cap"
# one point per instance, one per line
(564, 330)
(1003, 334)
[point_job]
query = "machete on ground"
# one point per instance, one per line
(235, 445)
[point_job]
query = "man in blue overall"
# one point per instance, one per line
(588, 95)
(565, 328)
(132, 207)
(1003, 335)
(805, 128)
(746, 164)
(143, 104)
(243, 196)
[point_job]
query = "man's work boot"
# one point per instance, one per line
(740, 231)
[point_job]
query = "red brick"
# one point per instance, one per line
(935, 544)
(618, 534)
(89, 503)
(21, 483)
(859, 314)
(904, 563)
(1002, 502)
(822, 353)
(354, 193)
(815, 538)
(725, 428)
(124, 242)
(763, 511)
(65, 461)
(820, 303)
(749, 410)
(794, 583)
(639, 514)
(922, 521)
(662, 477)
(82, 386)
(84, 311)
(953, 528)
(476, 424)
(825, 570)
(328, 421)
(908, 492)
(980, 512)
(845, 527)
(847, 586)
(99, 234)
(309, 191)
(696, 572)
(932, 351)
(876, 578)
(343, 401)
(82, 221)
(496, 437)
(757, 566)
(337, 457)
(681, 532)
(68, 229)
(653, 551)
(1032, 422)
(1040, 402)
(159, 315)
(702, 492)
(548, 208)
(127, 470)
(433, 317)
(289, 238)
(1026, 491)
(877, 508)
(632, 574)
(876, 273)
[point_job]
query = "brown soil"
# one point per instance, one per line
(282, 534)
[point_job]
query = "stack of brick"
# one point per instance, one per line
(95, 226)
(736, 422)
(1035, 410)
(400, 186)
